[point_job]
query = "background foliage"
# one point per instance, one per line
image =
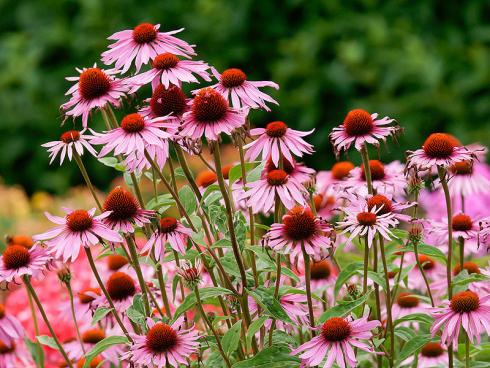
(426, 63)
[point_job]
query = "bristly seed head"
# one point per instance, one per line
(122, 203)
(233, 77)
(165, 101)
(469, 266)
(93, 336)
(276, 129)
(70, 136)
(206, 178)
(462, 168)
(133, 123)
(342, 169)
(167, 224)
(382, 203)
(277, 177)
(465, 302)
(407, 300)
(336, 329)
(24, 240)
(366, 218)
(79, 220)
(299, 223)
(432, 350)
(209, 105)
(116, 261)
(15, 257)
(320, 270)
(161, 338)
(165, 61)
(120, 286)
(462, 222)
(377, 170)
(144, 33)
(439, 145)
(93, 83)
(358, 122)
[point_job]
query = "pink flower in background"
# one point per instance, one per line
(262, 193)
(94, 88)
(169, 231)
(121, 288)
(90, 337)
(275, 139)
(382, 203)
(337, 340)
(69, 141)
(339, 173)
(300, 227)
(163, 345)
(10, 327)
(466, 309)
(168, 69)
(17, 261)
(432, 354)
(407, 303)
(294, 169)
(78, 228)
(468, 178)
(360, 128)
(210, 115)
(138, 162)
(233, 84)
(142, 43)
(15, 355)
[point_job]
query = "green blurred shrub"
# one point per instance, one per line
(426, 63)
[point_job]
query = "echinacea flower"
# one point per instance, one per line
(14, 355)
(78, 228)
(121, 288)
(432, 354)
(210, 115)
(382, 203)
(206, 178)
(439, 149)
(323, 274)
(360, 128)
(69, 141)
(407, 303)
(294, 169)
(468, 178)
(233, 84)
(169, 231)
(340, 172)
(94, 88)
(465, 309)
(124, 211)
(433, 270)
(10, 327)
(134, 134)
(163, 345)
(262, 193)
(137, 161)
(17, 261)
(337, 340)
(276, 139)
(82, 304)
(90, 337)
(364, 222)
(169, 69)
(142, 43)
(463, 226)
(300, 228)
(191, 273)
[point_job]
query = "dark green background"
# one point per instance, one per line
(426, 63)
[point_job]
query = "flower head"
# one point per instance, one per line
(142, 43)
(360, 128)
(69, 141)
(276, 139)
(233, 84)
(294, 169)
(17, 261)
(170, 231)
(10, 327)
(78, 228)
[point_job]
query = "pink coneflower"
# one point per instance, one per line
(362, 221)
(134, 134)
(340, 172)
(360, 128)
(233, 84)
(387, 179)
(69, 141)
(431, 355)
(206, 178)
(143, 43)
(14, 355)
(163, 345)
(479, 287)
(466, 309)
(463, 226)
(121, 288)
(170, 102)
(90, 337)
(326, 203)
(78, 228)
(434, 271)
(300, 227)
(210, 115)
(125, 211)
(137, 161)
(382, 203)
(169, 231)
(407, 303)
(468, 178)
(323, 274)
(275, 139)
(439, 149)
(337, 340)
(10, 327)
(262, 193)
(17, 261)
(94, 88)
(294, 169)
(168, 69)
(83, 306)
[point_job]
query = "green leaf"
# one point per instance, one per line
(343, 308)
(346, 274)
(271, 305)
(254, 174)
(236, 171)
(99, 314)
(102, 346)
(405, 333)
(253, 328)
(205, 293)
(188, 199)
(36, 351)
(464, 278)
(428, 250)
(413, 345)
(222, 243)
(136, 311)
(376, 277)
(109, 161)
(416, 317)
(273, 357)
(48, 341)
(231, 338)
(160, 203)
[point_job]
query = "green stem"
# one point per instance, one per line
(391, 358)
(163, 290)
(424, 276)
(461, 252)
(367, 168)
(84, 173)
(72, 307)
(306, 258)
(136, 264)
(467, 350)
(32, 292)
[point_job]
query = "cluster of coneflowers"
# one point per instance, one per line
(252, 262)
